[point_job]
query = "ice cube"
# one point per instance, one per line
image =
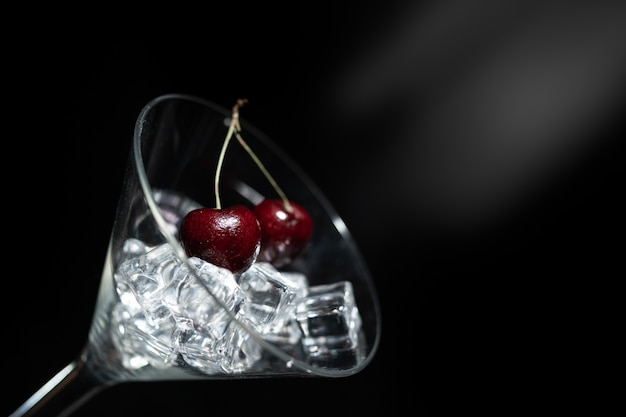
(140, 280)
(188, 298)
(133, 248)
(329, 320)
(139, 343)
(235, 352)
(270, 297)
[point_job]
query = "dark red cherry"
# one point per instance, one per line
(227, 237)
(284, 233)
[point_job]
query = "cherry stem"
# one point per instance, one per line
(264, 170)
(235, 128)
(231, 128)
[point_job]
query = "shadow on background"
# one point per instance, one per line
(474, 150)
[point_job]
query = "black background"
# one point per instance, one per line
(492, 316)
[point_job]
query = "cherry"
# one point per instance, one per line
(286, 228)
(228, 237)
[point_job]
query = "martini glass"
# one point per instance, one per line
(142, 330)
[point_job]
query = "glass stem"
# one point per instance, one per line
(64, 393)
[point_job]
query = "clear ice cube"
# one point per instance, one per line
(141, 343)
(188, 298)
(235, 352)
(270, 297)
(140, 280)
(329, 320)
(133, 248)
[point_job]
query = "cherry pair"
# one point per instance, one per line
(275, 230)
(235, 237)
